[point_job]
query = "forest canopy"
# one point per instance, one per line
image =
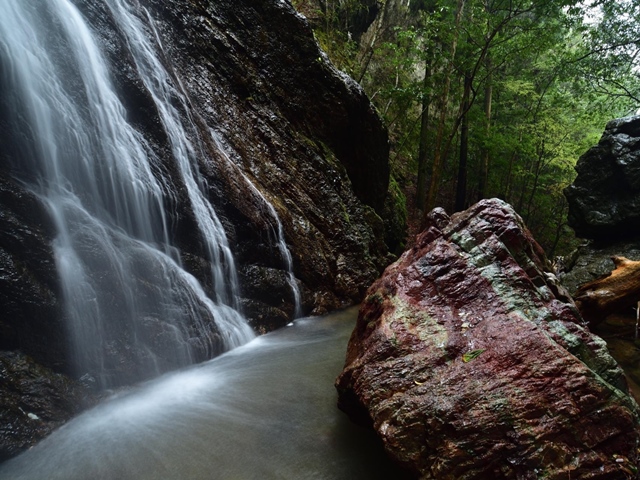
(488, 98)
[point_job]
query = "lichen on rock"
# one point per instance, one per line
(471, 362)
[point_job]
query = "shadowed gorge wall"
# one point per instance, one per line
(287, 150)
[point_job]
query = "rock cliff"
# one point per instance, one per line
(302, 132)
(471, 362)
(275, 123)
(603, 203)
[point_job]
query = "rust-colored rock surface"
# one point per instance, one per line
(471, 363)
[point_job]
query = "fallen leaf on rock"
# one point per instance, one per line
(467, 357)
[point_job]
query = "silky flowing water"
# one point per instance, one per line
(266, 410)
(111, 198)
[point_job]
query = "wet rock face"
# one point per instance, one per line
(604, 200)
(31, 317)
(284, 119)
(33, 402)
(303, 133)
(590, 262)
(470, 362)
(274, 120)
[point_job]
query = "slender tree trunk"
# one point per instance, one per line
(436, 171)
(421, 189)
(536, 178)
(506, 190)
(371, 45)
(488, 98)
(525, 186)
(461, 186)
(559, 217)
(509, 181)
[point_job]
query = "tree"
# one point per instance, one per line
(520, 88)
(608, 59)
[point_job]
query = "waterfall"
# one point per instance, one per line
(128, 298)
(276, 227)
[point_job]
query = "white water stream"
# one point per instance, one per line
(120, 272)
(275, 224)
(264, 411)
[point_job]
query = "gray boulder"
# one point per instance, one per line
(604, 199)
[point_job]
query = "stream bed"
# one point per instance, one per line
(266, 410)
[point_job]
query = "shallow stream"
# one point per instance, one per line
(266, 410)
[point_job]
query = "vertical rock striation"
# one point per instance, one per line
(273, 111)
(272, 114)
(272, 120)
(471, 362)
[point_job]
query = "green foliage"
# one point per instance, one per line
(395, 217)
(552, 72)
(333, 22)
(607, 58)
(340, 48)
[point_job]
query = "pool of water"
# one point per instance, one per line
(618, 330)
(266, 410)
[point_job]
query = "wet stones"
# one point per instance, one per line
(604, 199)
(33, 402)
(471, 362)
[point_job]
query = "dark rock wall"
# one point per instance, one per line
(604, 199)
(268, 107)
(302, 132)
(604, 204)
(33, 402)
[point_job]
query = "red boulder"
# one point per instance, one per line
(472, 363)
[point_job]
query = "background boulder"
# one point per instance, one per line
(604, 199)
(603, 205)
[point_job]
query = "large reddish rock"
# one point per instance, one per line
(471, 362)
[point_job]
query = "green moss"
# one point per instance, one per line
(345, 214)
(398, 199)
(375, 298)
(426, 328)
(395, 217)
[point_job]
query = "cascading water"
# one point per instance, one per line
(167, 93)
(128, 298)
(276, 228)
